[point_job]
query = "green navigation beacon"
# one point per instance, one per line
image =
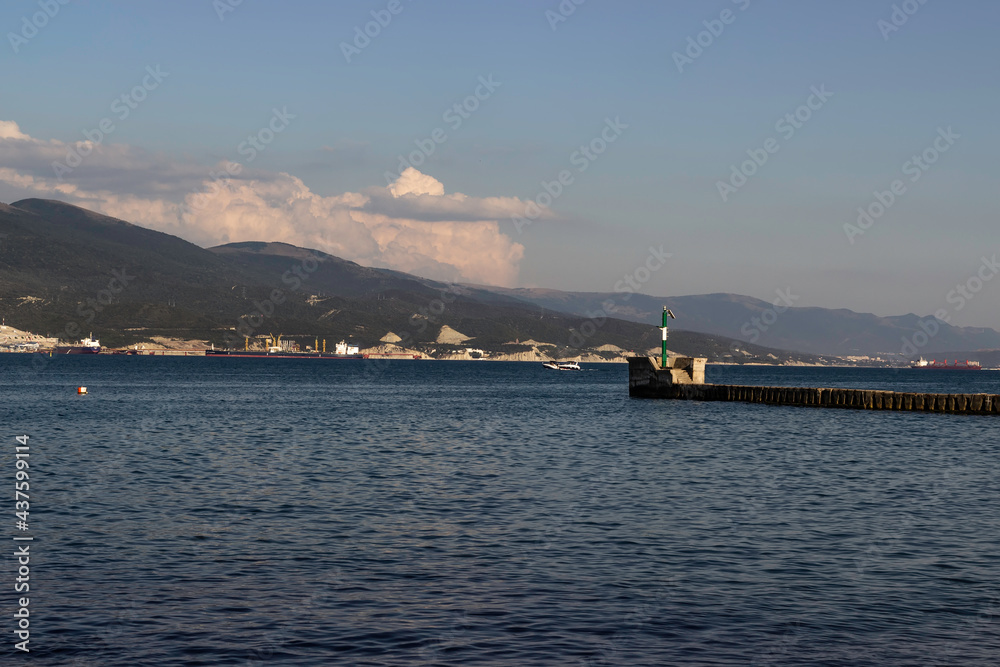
(666, 313)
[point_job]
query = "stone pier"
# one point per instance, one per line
(684, 379)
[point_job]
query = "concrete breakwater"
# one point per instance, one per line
(678, 381)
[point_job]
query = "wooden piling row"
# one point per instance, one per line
(856, 399)
(647, 381)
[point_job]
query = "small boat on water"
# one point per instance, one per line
(86, 346)
(945, 366)
(562, 365)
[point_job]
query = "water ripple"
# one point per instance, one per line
(217, 512)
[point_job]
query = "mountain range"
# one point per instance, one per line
(779, 324)
(66, 271)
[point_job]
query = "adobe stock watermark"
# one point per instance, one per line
(454, 637)
(972, 633)
(96, 304)
(915, 168)
(454, 116)
(104, 298)
(254, 145)
(325, 595)
(635, 623)
(248, 324)
(418, 321)
(777, 649)
(958, 297)
(223, 7)
(786, 126)
(581, 159)
(896, 523)
(900, 15)
(122, 107)
(706, 38)
(886, 541)
(88, 311)
(417, 324)
(563, 11)
(759, 324)
(372, 29)
(630, 284)
(31, 26)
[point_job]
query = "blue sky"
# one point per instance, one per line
(657, 184)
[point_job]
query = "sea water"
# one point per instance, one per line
(193, 511)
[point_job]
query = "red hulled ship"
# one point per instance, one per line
(936, 365)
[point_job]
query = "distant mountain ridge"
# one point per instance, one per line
(66, 271)
(804, 329)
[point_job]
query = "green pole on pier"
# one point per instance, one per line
(666, 313)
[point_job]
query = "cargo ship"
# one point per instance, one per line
(86, 346)
(275, 350)
(945, 366)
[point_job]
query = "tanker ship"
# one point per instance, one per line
(86, 346)
(278, 349)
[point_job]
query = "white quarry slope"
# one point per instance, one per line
(449, 336)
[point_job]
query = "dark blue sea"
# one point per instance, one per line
(198, 511)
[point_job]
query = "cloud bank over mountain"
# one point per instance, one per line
(411, 225)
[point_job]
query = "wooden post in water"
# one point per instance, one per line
(685, 380)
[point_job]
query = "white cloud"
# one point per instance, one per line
(10, 130)
(412, 182)
(411, 225)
